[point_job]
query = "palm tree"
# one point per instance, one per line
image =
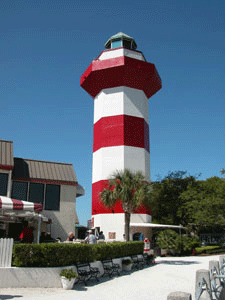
(129, 188)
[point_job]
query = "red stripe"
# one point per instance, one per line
(46, 181)
(6, 167)
(17, 204)
(121, 130)
(38, 207)
(121, 71)
(99, 208)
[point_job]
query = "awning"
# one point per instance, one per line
(18, 205)
(12, 208)
(155, 225)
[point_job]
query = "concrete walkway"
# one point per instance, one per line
(153, 283)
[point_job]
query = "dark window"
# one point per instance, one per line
(127, 44)
(19, 190)
(36, 192)
(3, 184)
(52, 197)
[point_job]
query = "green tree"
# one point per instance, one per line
(168, 239)
(129, 188)
(204, 203)
(165, 200)
(188, 243)
(171, 240)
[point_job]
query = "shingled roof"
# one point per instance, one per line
(36, 170)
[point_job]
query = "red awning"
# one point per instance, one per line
(16, 205)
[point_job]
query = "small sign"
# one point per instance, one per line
(112, 235)
(89, 223)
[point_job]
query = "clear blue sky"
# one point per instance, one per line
(46, 45)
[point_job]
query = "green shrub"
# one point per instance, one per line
(188, 243)
(68, 273)
(51, 255)
(209, 250)
(64, 254)
(168, 239)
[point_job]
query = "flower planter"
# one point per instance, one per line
(67, 283)
(127, 268)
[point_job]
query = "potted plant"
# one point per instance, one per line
(127, 264)
(68, 277)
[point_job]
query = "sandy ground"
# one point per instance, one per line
(153, 283)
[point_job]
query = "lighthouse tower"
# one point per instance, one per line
(121, 82)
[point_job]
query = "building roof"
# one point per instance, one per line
(120, 36)
(6, 154)
(36, 170)
(80, 191)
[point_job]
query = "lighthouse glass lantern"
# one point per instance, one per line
(120, 81)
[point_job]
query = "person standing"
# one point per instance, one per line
(101, 236)
(90, 239)
(26, 235)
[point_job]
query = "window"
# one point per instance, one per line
(19, 190)
(36, 193)
(127, 44)
(3, 184)
(46, 194)
(116, 44)
(52, 197)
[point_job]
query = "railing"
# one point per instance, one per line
(6, 246)
(204, 287)
(209, 285)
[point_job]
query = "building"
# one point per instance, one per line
(121, 81)
(52, 184)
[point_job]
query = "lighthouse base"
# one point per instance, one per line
(113, 225)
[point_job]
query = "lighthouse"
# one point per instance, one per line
(120, 81)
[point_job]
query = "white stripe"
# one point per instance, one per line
(28, 206)
(107, 54)
(6, 203)
(113, 222)
(109, 159)
(121, 101)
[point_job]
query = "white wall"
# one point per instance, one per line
(116, 223)
(121, 101)
(110, 223)
(107, 54)
(63, 221)
(109, 159)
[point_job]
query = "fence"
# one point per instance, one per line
(6, 246)
(209, 284)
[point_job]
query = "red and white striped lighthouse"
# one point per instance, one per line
(120, 81)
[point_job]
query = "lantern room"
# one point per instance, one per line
(121, 40)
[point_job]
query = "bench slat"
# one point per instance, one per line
(86, 272)
(110, 267)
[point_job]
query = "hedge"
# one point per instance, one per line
(65, 254)
(209, 250)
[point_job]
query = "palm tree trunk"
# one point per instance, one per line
(127, 226)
